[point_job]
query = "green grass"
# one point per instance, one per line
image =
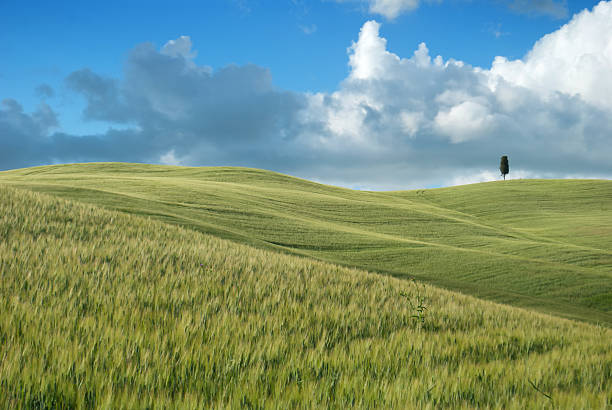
(99, 309)
(540, 244)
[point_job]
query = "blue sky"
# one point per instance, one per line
(299, 51)
(45, 41)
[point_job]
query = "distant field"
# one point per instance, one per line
(99, 309)
(541, 244)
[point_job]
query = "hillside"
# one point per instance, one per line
(102, 309)
(541, 244)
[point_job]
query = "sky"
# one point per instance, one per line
(366, 94)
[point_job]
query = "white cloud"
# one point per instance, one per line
(369, 57)
(169, 158)
(486, 175)
(392, 8)
(575, 60)
(465, 121)
(475, 177)
(425, 116)
(412, 122)
(181, 47)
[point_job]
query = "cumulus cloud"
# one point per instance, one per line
(394, 122)
(465, 121)
(38, 123)
(103, 96)
(175, 112)
(435, 118)
(575, 60)
(369, 57)
(30, 139)
(181, 47)
(22, 134)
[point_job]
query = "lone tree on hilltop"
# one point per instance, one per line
(503, 166)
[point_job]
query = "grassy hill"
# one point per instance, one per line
(541, 244)
(99, 309)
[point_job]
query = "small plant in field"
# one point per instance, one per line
(417, 302)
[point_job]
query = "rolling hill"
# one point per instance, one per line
(541, 244)
(99, 309)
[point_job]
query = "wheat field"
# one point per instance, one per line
(99, 309)
(544, 245)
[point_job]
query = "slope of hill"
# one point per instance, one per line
(545, 245)
(99, 309)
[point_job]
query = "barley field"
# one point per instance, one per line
(99, 309)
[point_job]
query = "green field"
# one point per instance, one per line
(545, 245)
(99, 309)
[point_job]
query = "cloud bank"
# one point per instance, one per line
(394, 122)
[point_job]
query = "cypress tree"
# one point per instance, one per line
(503, 166)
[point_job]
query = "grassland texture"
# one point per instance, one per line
(540, 244)
(99, 309)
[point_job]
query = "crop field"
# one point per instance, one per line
(545, 245)
(99, 309)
